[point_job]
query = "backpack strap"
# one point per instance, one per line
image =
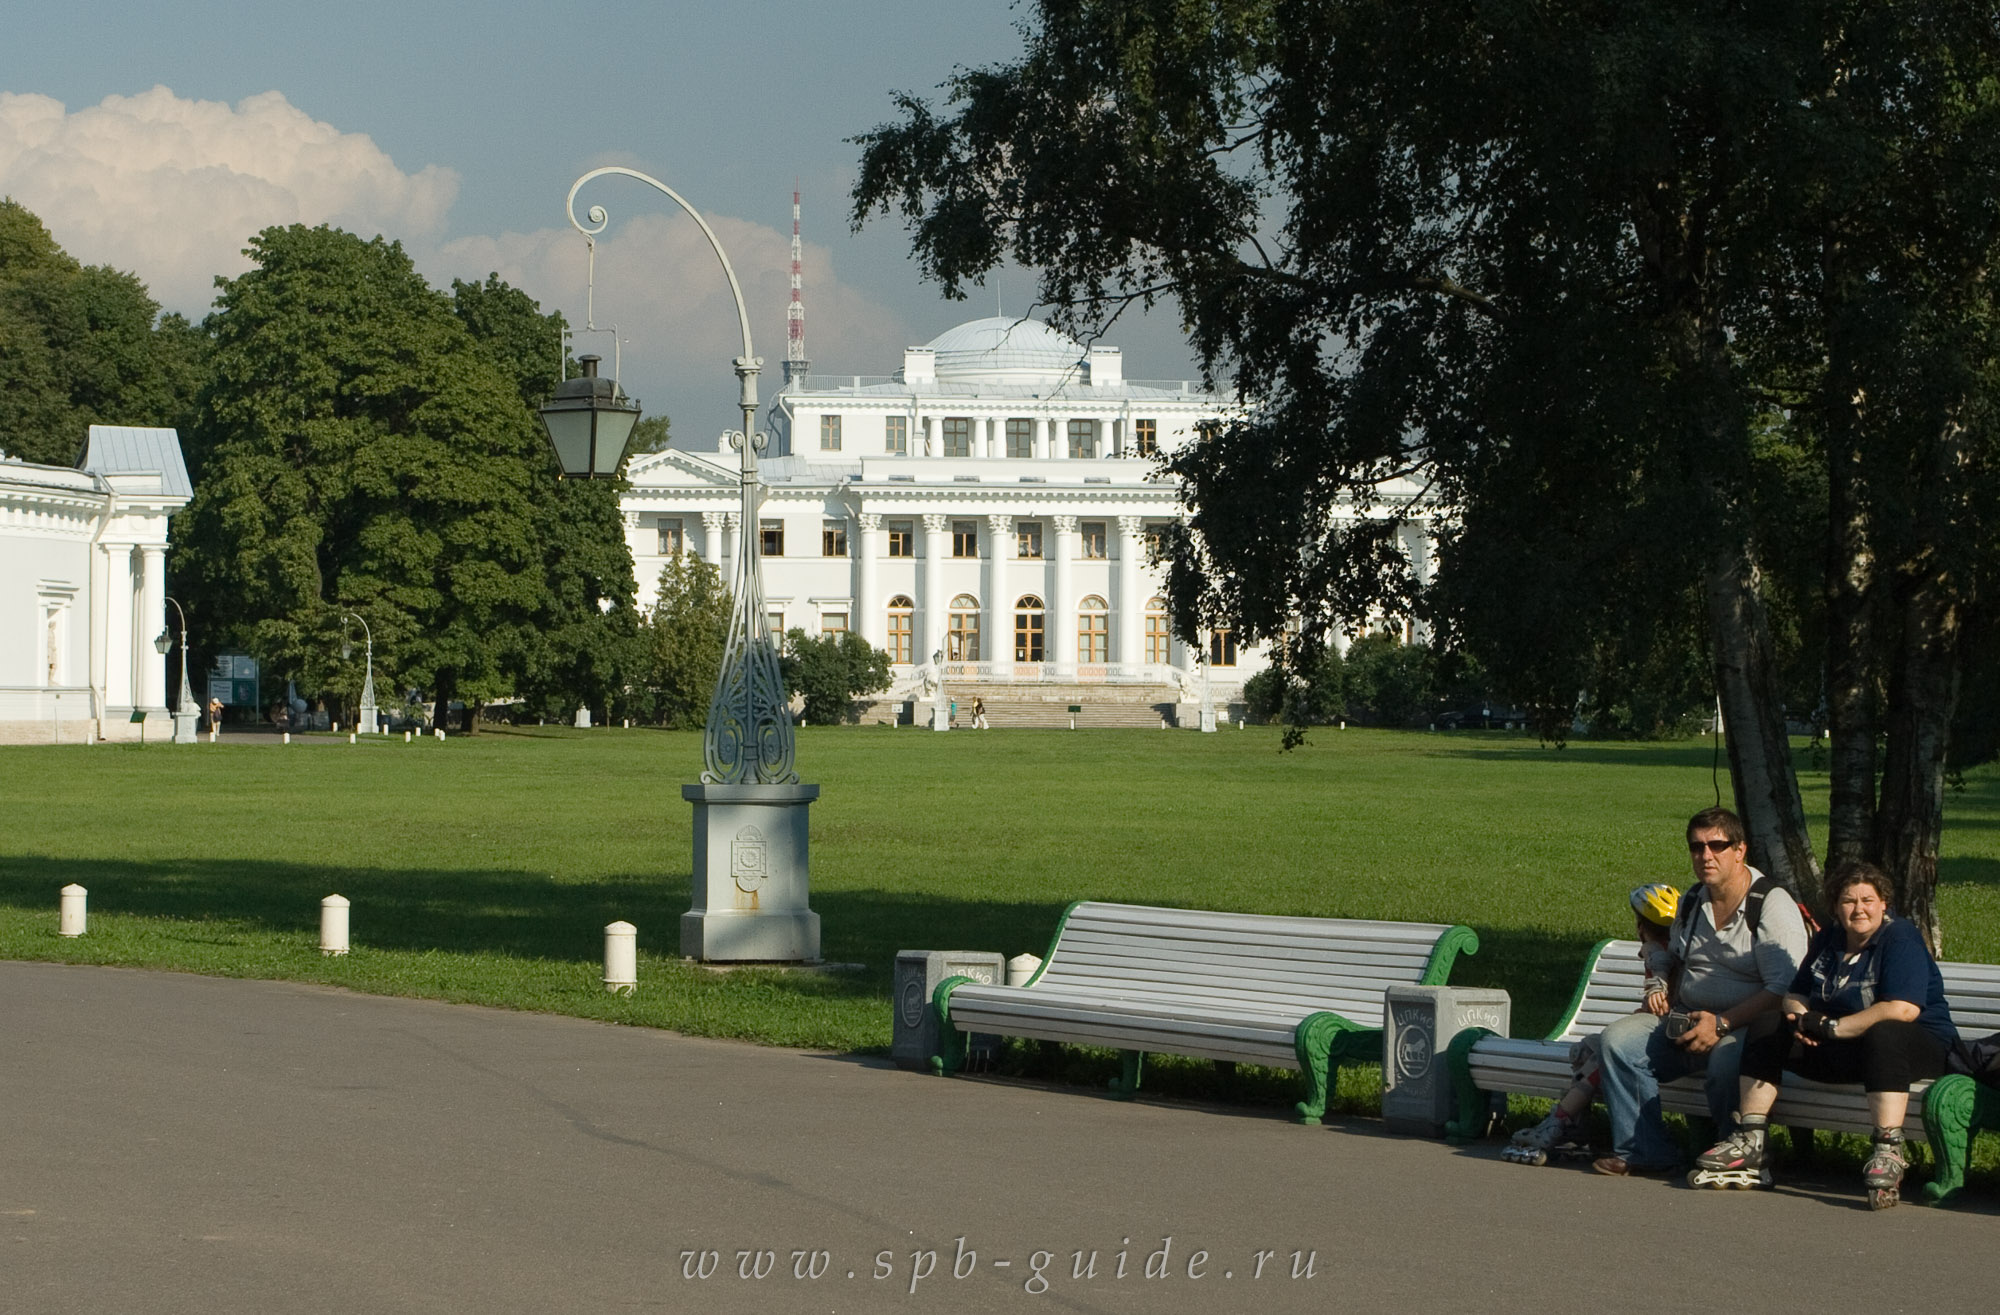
(1753, 903)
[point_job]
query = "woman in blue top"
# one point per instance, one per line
(1867, 1006)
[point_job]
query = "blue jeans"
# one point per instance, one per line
(1637, 1059)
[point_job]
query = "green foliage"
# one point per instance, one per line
(1310, 694)
(1389, 683)
(651, 434)
(682, 642)
(509, 325)
(831, 671)
(359, 451)
(79, 346)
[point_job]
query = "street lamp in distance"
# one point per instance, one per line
(368, 712)
(187, 716)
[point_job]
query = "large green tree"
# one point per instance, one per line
(82, 345)
(1565, 264)
(682, 640)
(358, 450)
(830, 671)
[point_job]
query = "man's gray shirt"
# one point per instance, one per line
(1721, 967)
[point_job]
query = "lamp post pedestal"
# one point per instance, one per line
(751, 875)
(187, 725)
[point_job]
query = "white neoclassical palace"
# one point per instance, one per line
(995, 502)
(83, 588)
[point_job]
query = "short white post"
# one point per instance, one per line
(1021, 967)
(72, 916)
(406, 737)
(336, 728)
(333, 925)
(621, 958)
(288, 737)
(350, 737)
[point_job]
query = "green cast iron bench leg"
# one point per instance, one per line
(1323, 1042)
(1955, 1109)
(1126, 1084)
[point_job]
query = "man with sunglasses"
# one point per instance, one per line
(1734, 956)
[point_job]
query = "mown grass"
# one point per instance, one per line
(484, 868)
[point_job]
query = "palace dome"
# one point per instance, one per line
(1005, 349)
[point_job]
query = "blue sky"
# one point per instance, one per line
(458, 128)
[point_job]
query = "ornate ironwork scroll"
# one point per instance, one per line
(748, 738)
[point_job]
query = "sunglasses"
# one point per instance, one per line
(1712, 846)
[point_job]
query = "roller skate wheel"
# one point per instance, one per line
(1881, 1198)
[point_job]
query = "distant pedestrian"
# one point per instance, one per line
(979, 714)
(214, 714)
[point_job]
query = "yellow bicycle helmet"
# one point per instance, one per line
(1656, 902)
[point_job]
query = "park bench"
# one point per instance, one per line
(1949, 1113)
(1298, 993)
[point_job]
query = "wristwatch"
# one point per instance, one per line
(1722, 1027)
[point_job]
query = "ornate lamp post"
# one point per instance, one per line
(188, 714)
(750, 837)
(368, 709)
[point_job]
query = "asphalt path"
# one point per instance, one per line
(172, 1143)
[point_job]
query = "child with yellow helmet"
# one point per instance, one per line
(1653, 907)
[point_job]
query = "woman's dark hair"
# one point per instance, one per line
(1857, 872)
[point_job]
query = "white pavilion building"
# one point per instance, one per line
(996, 502)
(83, 589)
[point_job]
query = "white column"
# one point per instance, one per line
(1416, 537)
(1130, 652)
(869, 620)
(931, 633)
(1044, 443)
(930, 449)
(1061, 613)
(118, 605)
(711, 536)
(1059, 437)
(993, 448)
(999, 636)
(730, 529)
(152, 619)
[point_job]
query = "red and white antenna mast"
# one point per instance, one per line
(795, 313)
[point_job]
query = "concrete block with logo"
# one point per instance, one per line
(918, 973)
(1418, 1024)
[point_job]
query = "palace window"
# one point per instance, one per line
(672, 540)
(962, 635)
(1083, 438)
(1093, 631)
(829, 433)
(902, 539)
(1222, 648)
(776, 620)
(901, 611)
(1156, 541)
(958, 437)
(965, 538)
(1028, 619)
(772, 542)
(833, 623)
(896, 436)
(1028, 540)
(1020, 438)
(833, 538)
(1093, 539)
(1145, 437)
(1159, 639)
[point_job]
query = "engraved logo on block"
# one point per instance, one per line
(747, 860)
(913, 1001)
(1413, 1043)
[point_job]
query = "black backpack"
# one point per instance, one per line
(1753, 906)
(1978, 1060)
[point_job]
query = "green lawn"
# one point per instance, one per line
(484, 868)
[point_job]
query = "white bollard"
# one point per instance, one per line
(288, 737)
(71, 919)
(406, 737)
(333, 925)
(621, 958)
(440, 732)
(1021, 967)
(336, 728)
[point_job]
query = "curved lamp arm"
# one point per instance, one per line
(598, 218)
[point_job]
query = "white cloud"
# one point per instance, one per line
(658, 280)
(173, 189)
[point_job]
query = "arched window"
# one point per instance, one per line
(1028, 629)
(962, 637)
(1093, 631)
(901, 610)
(1159, 639)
